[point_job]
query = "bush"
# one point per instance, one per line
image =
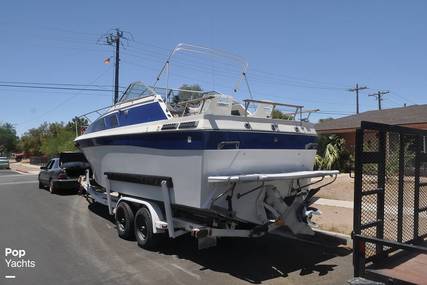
(49, 139)
(332, 154)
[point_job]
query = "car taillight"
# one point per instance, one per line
(62, 175)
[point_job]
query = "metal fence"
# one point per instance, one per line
(390, 195)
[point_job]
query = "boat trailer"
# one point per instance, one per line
(161, 212)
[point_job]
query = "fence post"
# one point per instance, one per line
(418, 142)
(381, 187)
(358, 254)
(401, 186)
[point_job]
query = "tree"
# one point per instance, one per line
(280, 115)
(31, 141)
(59, 140)
(50, 138)
(8, 138)
(332, 154)
(325, 119)
(186, 93)
(81, 122)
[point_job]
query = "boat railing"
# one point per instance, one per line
(297, 114)
(200, 101)
(97, 111)
(307, 112)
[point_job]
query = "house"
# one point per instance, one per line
(414, 116)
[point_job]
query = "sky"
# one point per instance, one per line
(301, 52)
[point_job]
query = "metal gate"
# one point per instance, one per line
(390, 192)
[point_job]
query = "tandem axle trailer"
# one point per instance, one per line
(145, 219)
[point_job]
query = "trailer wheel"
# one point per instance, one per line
(144, 229)
(124, 221)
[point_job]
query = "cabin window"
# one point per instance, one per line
(114, 123)
(98, 125)
(135, 91)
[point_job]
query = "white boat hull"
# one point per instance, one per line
(189, 170)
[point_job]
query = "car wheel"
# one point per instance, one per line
(124, 221)
(144, 229)
(52, 189)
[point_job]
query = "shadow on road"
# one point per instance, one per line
(258, 259)
(251, 259)
(61, 192)
(101, 211)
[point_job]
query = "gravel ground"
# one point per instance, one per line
(341, 189)
(335, 219)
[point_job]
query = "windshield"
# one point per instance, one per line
(137, 90)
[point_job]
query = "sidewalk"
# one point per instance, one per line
(335, 201)
(337, 216)
(24, 167)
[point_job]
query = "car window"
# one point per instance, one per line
(49, 165)
(55, 164)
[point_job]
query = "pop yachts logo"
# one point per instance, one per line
(16, 258)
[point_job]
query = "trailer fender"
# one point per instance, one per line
(159, 224)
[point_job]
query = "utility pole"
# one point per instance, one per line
(114, 38)
(356, 89)
(378, 96)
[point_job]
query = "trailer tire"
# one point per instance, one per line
(124, 221)
(144, 229)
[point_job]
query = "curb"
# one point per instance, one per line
(24, 171)
(21, 171)
(347, 238)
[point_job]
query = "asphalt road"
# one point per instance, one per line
(72, 243)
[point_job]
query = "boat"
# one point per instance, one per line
(227, 162)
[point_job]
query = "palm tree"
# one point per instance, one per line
(333, 155)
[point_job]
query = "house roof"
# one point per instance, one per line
(414, 114)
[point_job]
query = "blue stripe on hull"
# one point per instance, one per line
(205, 139)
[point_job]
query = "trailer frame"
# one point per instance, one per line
(161, 212)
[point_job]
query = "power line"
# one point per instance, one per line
(82, 37)
(256, 76)
(356, 89)
(57, 84)
(55, 88)
(60, 104)
(378, 97)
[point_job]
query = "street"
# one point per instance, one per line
(73, 243)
